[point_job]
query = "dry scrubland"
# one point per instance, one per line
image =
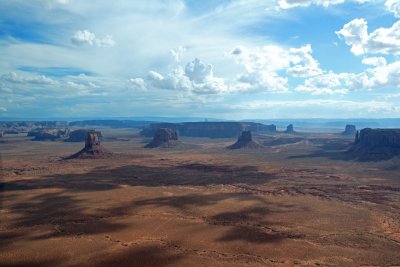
(297, 202)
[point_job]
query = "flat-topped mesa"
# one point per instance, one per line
(92, 149)
(350, 130)
(290, 129)
(376, 144)
(164, 138)
(245, 140)
(208, 129)
(41, 134)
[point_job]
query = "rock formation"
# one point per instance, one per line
(1, 134)
(164, 138)
(245, 140)
(80, 135)
(48, 134)
(376, 144)
(208, 129)
(349, 130)
(11, 131)
(290, 129)
(110, 123)
(92, 149)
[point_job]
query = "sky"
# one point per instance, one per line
(210, 59)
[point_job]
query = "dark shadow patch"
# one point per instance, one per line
(332, 155)
(134, 175)
(64, 214)
(149, 255)
(7, 238)
(334, 149)
(250, 225)
(336, 144)
(283, 141)
(185, 201)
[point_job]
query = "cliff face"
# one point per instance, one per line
(92, 140)
(80, 135)
(289, 129)
(208, 129)
(376, 144)
(92, 148)
(245, 140)
(349, 130)
(165, 138)
(48, 134)
(379, 137)
(259, 127)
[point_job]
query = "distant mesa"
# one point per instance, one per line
(110, 123)
(245, 141)
(48, 134)
(208, 129)
(164, 138)
(290, 129)
(350, 130)
(376, 144)
(80, 135)
(11, 131)
(92, 149)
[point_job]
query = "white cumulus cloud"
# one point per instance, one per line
(265, 67)
(380, 41)
(374, 61)
(381, 75)
(394, 7)
(85, 37)
(199, 72)
(197, 77)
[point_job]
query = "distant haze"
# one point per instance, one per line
(337, 124)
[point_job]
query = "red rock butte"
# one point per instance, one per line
(92, 148)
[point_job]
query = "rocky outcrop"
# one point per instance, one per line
(208, 129)
(80, 135)
(92, 149)
(259, 127)
(376, 144)
(164, 138)
(45, 136)
(290, 129)
(349, 130)
(1, 134)
(48, 134)
(245, 140)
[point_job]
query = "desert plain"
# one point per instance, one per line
(299, 201)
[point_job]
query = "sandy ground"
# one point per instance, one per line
(291, 204)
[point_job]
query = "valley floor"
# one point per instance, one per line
(290, 204)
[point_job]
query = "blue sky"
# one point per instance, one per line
(220, 59)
